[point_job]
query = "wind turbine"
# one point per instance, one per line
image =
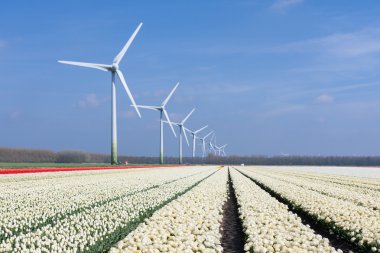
(203, 141)
(193, 133)
(222, 149)
(181, 130)
(217, 150)
(162, 111)
(114, 69)
(212, 146)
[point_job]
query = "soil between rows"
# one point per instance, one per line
(231, 227)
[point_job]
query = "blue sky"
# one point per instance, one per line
(270, 77)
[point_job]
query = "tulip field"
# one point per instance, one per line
(184, 209)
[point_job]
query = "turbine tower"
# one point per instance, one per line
(203, 141)
(193, 133)
(162, 111)
(181, 130)
(114, 69)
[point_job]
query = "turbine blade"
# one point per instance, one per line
(120, 56)
(200, 129)
(147, 107)
(188, 115)
(103, 67)
(187, 140)
(170, 123)
(174, 123)
(208, 135)
(188, 130)
(212, 137)
(170, 95)
(121, 77)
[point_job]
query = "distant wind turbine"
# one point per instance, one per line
(220, 150)
(211, 146)
(181, 130)
(162, 111)
(203, 141)
(194, 134)
(114, 69)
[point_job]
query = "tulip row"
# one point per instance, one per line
(370, 199)
(30, 204)
(189, 224)
(103, 223)
(269, 225)
(359, 224)
(358, 183)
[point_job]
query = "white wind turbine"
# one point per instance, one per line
(193, 133)
(114, 69)
(162, 111)
(211, 145)
(203, 141)
(181, 130)
(220, 150)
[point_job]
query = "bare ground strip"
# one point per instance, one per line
(231, 227)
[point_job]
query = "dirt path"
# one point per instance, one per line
(232, 230)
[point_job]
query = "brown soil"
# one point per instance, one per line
(231, 227)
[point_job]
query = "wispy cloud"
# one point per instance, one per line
(14, 115)
(359, 43)
(285, 95)
(336, 57)
(130, 114)
(3, 43)
(176, 117)
(282, 110)
(324, 99)
(280, 5)
(220, 89)
(90, 100)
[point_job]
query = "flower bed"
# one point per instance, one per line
(108, 215)
(269, 225)
(188, 224)
(355, 223)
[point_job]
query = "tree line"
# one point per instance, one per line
(18, 155)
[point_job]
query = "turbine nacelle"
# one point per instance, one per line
(114, 67)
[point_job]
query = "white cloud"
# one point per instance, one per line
(284, 4)
(2, 43)
(282, 110)
(89, 101)
(324, 99)
(359, 43)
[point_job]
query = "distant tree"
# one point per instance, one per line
(72, 156)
